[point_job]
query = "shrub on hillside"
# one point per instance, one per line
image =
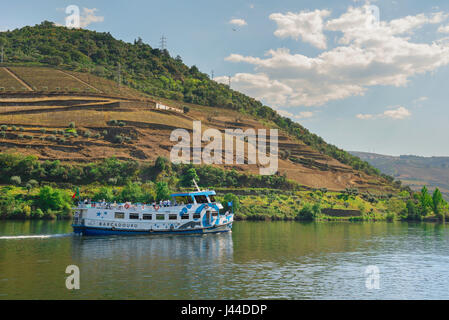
(118, 139)
(309, 212)
(16, 180)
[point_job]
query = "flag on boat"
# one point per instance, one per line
(76, 194)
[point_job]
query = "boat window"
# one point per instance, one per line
(134, 216)
(201, 199)
(183, 199)
(185, 216)
(160, 217)
(214, 213)
(119, 215)
(196, 216)
(172, 216)
(147, 216)
(212, 198)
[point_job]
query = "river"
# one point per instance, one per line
(258, 260)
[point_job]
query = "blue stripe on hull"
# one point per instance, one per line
(101, 232)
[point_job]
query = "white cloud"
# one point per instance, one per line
(443, 29)
(365, 116)
(305, 25)
(304, 114)
(272, 91)
(238, 22)
(88, 16)
(300, 115)
(367, 55)
(420, 100)
(399, 113)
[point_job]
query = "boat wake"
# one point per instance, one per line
(38, 236)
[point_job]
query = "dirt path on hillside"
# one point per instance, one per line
(79, 80)
(12, 74)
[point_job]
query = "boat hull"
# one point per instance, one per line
(93, 231)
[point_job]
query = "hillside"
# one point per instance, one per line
(54, 76)
(413, 170)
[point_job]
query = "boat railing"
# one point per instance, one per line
(126, 206)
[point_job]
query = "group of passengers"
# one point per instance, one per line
(164, 203)
(103, 203)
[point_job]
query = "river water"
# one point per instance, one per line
(258, 260)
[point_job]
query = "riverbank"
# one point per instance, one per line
(53, 202)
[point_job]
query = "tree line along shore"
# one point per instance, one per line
(32, 189)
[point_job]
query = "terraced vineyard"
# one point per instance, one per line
(47, 80)
(106, 86)
(98, 120)
(9, 83)
(43, 79)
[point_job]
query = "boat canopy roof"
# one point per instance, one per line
(194, 193)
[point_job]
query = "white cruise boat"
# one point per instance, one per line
(185, 213)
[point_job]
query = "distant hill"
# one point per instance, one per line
(414, 171)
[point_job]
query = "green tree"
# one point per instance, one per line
(411, 212)
(425, 201)
(162, 191)
(16, 180)
(161, 164)
(105, 193)
(33, 183)
(132, 192)
(188, 177)
(53, 199)
(437, 202)
(309, 212)
(230, 197)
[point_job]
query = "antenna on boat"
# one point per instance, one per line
(194, 182)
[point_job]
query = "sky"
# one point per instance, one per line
(365, 75)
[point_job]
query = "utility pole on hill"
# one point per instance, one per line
(212, 75)
(229, 77)
(119, 76)
(2, 53)
(163, 43)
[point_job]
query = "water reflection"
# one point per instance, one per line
(153, 267)
(213, 248)
(279, 260)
